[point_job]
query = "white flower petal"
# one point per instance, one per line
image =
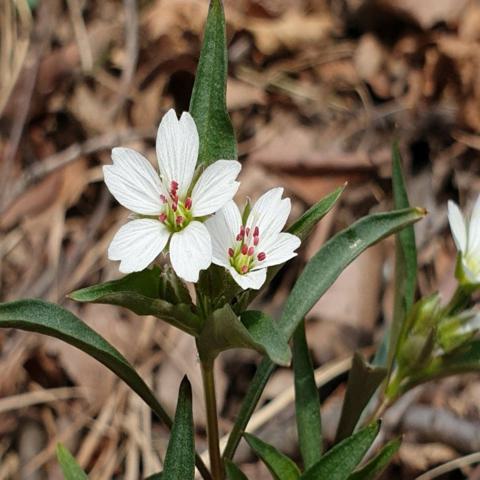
(270, 213)
(133, 182)
(223, 227)
(279, 251)
(177, 150)
(137, 244)
(215, 187)
(474, 229)
(254, 279)
(191, 251)
(457, 226)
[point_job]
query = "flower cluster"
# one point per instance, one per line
(191, 214)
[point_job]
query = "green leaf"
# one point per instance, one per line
(375, 467)
(405, 259)
(49, 319)
(305, 224)
(155, 476)
(339, 462)
(319, 274)
(327, 264)
(363, 381)
(180, 456)
(208, 103)
(280, 466)
(225, 330)
(307, 401)
(140, 291)
(233, 472)
(266, 335)
(70, 468)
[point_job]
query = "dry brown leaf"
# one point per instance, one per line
(242, 95)
(293, 30)
(429, 12)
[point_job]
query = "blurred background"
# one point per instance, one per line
(317, 91)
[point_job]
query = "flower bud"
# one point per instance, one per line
(456, 330)
(417, 342)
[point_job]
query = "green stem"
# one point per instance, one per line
(216, 464)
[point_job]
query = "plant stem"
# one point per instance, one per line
(216, 464)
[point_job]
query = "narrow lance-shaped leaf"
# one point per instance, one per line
(339, 462)
(280, 466)
(208, 103)
(405, 259)
(363, 381)
(180, 456)
(375, 467)
(139, 292)
(50, 319)
(233, 472)
(70, 468)
(307, 401)
(319, 274)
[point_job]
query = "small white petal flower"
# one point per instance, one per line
(169, 206)
(247, 250)
(466, 235)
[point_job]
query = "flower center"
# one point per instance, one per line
(244, 254)
(177, 212)
(472, 262)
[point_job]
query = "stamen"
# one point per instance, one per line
(163, 198)
(256, 232)
(256, 240)
(179, 220)
(244, 249)
(247, 231)
(261, 256)
(162, 217)
(173, 186)
(174, 206)
(188, 203)
(238, 238)
(230, 252)
(244, 269)
(250, 251)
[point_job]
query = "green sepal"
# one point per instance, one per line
(208, 103)
(180, 456)
(281, 467)
(225, 330)
(375, 467)
(70, 468)
(339, 462)
(149, 292)
(363, 381)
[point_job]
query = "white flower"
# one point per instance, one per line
(247, 250)
(466, 235)
(169, 206)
